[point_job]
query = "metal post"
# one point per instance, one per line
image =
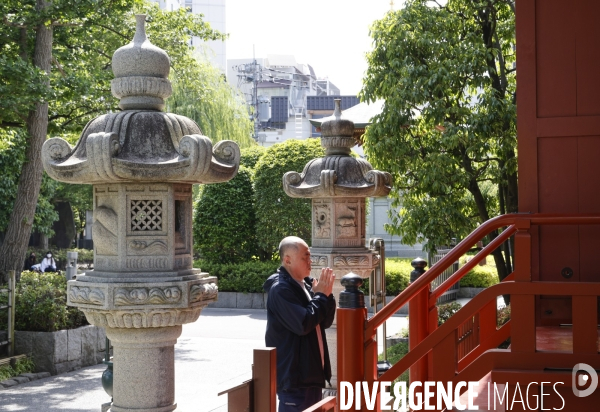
(351, 317)
(418, 316)
(11, 312)
(377, 286)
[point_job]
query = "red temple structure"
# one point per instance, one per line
(555, 286)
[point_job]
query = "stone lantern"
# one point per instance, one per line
(142, 163)
(338, 185)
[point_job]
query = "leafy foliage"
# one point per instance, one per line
(22, 365)
(13, 144)
(394, 354)
(201, 93)
(446, 310)
(251, 155)
(480, 277)
(41, 304)
(246, 277)
(55, 76)
(447, 132)
(224, 220)
(85, 37)
(397, 276)
(503, 315)
(277, 214)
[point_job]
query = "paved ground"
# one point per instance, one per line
(211, 355)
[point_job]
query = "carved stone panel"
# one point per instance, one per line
(147, 296)
(346, 224)
(152, 318)
(146, 215)
(135, 264)
(86, 295)
(322, 220)
(318, 260)
(146, 247)
(105, 231)
(205, 291)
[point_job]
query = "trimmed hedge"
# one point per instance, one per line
(277, 214)
(397, 276)
(246, 277)
(41, 304)
(480, 277)
(224, 221)
(251, 155)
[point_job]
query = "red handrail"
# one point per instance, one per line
(456, 276)
(477, 303)
(466, 244)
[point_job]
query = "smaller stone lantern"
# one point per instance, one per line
(338, 185)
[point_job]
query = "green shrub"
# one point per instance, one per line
(397, 276)
(246, 277)
(224, 222)
(277, 214)
(23, 365)
(250, 156)
(480, 277)
(503, 315)
(41, 304)
(446, 310)
(394, 354)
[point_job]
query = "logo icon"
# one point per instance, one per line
(582, 375)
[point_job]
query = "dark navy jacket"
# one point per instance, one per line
(291, 322)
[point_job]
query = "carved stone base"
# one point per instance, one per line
(138, 297)
(360, 261)
(144, 369)
(143, 321)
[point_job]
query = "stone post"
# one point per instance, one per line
(338, 185)
(142, 163)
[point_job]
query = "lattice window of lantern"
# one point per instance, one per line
(146, 215)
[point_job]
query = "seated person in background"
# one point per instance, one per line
(30, 262)
(48, 263)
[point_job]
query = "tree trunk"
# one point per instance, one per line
(14, 247)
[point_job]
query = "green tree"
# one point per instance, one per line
(277, 214)
(447, 131)
(224, 221)
(78, 39)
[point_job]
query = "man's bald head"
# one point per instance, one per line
(295, 257)
(290, 244)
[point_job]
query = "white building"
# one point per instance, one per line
(214, 13)
(279, 92)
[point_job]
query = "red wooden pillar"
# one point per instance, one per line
(351, 318)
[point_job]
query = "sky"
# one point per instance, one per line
(330, 35)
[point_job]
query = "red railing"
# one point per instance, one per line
(453, 348)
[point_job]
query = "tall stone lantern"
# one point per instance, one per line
(142, 163)
(338, 185)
